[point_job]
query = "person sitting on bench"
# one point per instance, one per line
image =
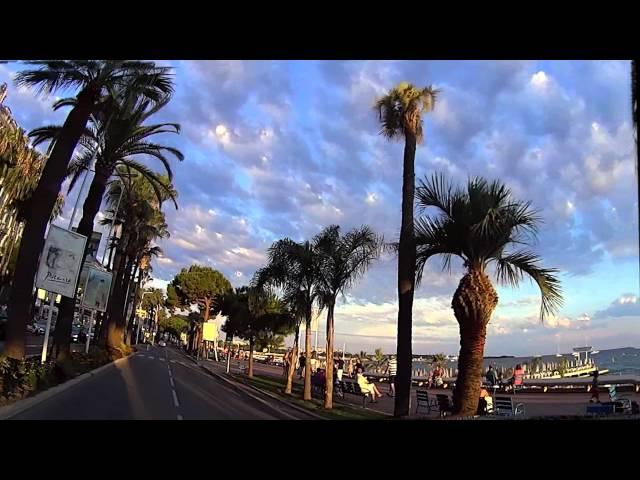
(367, 387)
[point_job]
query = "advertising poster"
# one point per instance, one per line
(61, 261)
(96, 291)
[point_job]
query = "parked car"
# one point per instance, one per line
(162, 343)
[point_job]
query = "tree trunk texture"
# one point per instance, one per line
(250, 369)
(307, 348)
(42, 202)
(406, 281)
(115, 328)
(328, 399)
(473, 303)
(66, 313)
(292, 365)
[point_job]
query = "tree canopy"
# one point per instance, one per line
(198, 285)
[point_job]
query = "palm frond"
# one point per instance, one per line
(511, 268)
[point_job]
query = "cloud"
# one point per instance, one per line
(626, 305)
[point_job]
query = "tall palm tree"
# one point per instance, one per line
(481, 225)
(94, 80)
(400, 115)
(295, 267)
(142, 221)
(114, 138)
(343, 259)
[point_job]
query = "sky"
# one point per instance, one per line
(278, 149)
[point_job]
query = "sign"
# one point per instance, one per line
(141, 312)
(209, 331)
(61, 261)
(96, 290)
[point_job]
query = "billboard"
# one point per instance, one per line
(209, 331)
(61, 261)
(96, 290)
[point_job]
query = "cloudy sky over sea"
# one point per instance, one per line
(277, 149)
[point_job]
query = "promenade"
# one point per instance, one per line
(536, 404)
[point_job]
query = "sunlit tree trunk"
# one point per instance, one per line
(292, 364)
(328, 399)
(473, 303)
(307, 347)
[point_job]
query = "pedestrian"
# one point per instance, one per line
(313, 362)
(359, 365)
(392, 370)
(492, 379)
(595, 395)
(350, 368)
(340, 368)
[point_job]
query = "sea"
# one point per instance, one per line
(619, 361)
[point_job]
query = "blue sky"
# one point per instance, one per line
(276, 149)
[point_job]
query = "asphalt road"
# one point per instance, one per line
(157, 384)
(34, 344)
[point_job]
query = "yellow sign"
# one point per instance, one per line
(140, 312)
(210, 331)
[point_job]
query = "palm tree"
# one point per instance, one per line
(480, 225)
(142, 221)
(295, 267)
(439, 359)
(95, 80)
(400, 115)
(343, 259)
(114, 138)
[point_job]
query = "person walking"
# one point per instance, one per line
(392, 370)
(340, 368)
(595, 395)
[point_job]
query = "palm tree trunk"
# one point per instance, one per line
(292, 363)
(90, 209)
(115, 324)
(307, 348)
(38, 216)
(328, 399)
(473, 303)
(250, 369)
(406, 281)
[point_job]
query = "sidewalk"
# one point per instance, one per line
(536, 405)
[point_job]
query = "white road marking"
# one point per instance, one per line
(152, 357)
(179, 417)
(161, 359)
(174, 361)
(171, 382)
(175, 398)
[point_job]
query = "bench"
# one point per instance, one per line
(504, 407)
(424, 401)
(353, 388)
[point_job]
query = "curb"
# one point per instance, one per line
(235, 384)
(29, 402)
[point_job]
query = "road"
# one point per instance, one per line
(158, 384)
(33, 344)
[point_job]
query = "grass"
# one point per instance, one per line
(340, 411)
